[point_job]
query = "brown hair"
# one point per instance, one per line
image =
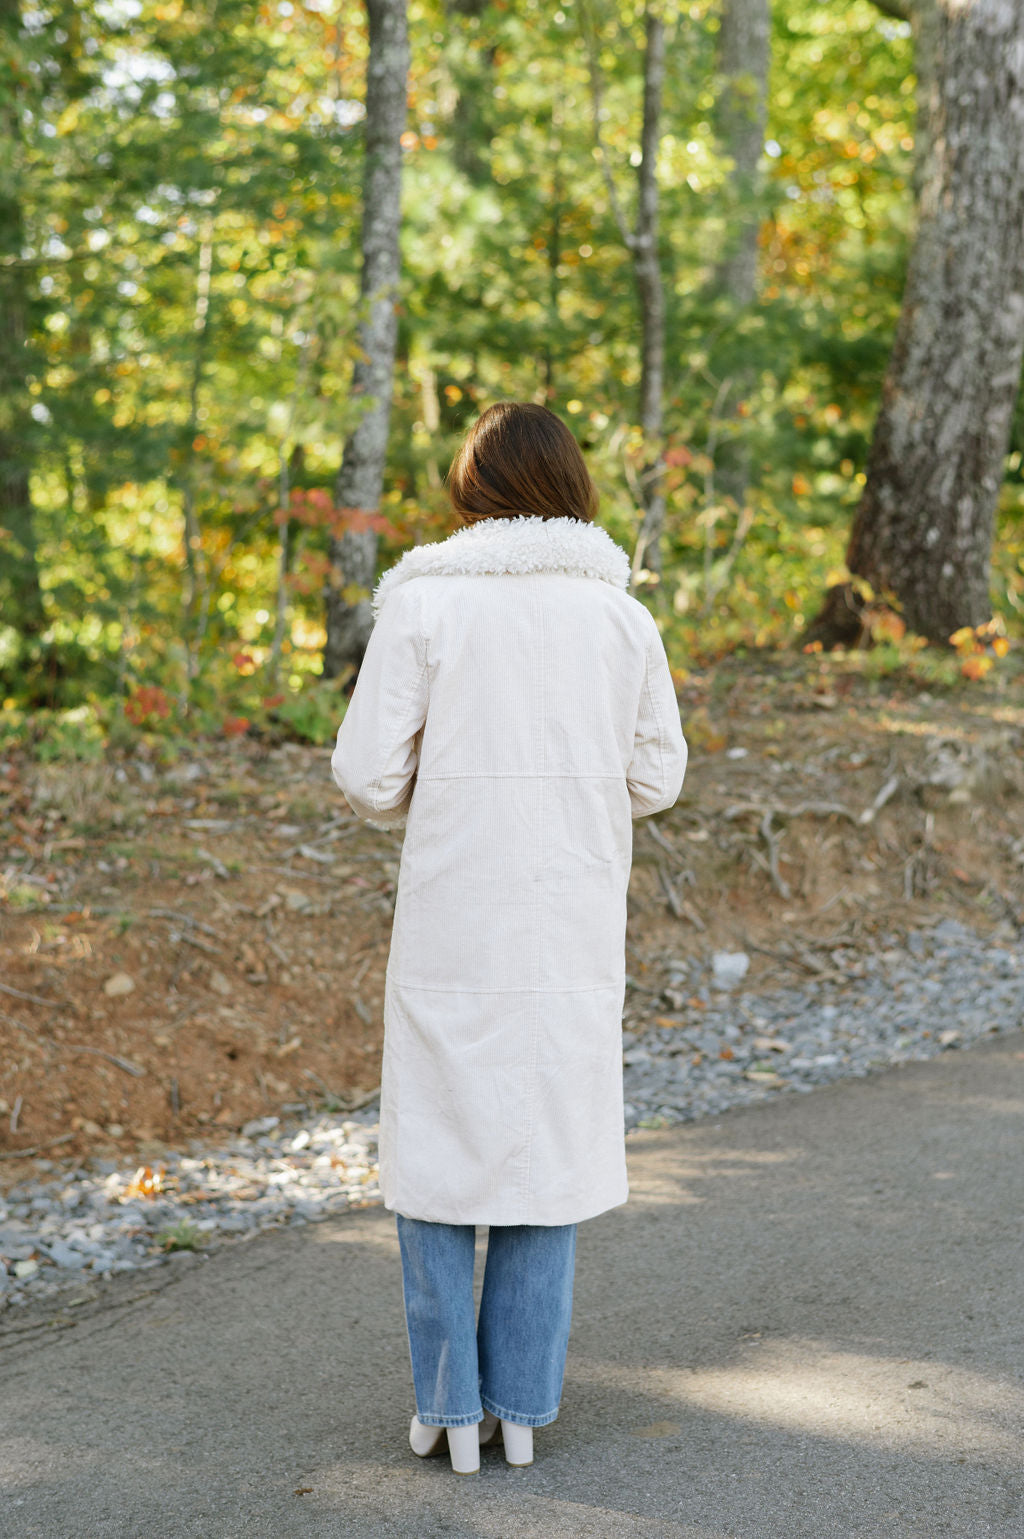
(520, 458)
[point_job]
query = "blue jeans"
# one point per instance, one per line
(512, 1362)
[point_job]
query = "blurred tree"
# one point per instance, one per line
(641, 241)
(922, 533)
(471, 70)
(740, 112)
(20, 588)
(353, 554)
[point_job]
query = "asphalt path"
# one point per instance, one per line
(807, 1322)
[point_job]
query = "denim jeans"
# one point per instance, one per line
(511, 1362)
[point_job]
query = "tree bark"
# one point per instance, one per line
(642, 245)
(743, 48)
(740, 114)
(647, 272)
(23, 601)
(361, 478)
(922, 533)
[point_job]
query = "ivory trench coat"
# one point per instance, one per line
(515, 711)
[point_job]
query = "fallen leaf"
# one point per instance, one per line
(766, 1077)
(657, 1429)
(146, 1182)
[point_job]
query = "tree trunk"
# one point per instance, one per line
(472, 72)
(196, 575)
(647, 271)
(743, 41)
(922, 534)
(743, 54)
(361, 478)
(23, 600)
(642, 245)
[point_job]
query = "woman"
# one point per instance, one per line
(515, 709)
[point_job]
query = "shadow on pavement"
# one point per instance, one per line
(805, 1323)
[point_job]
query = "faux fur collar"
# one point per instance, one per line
(513, 545)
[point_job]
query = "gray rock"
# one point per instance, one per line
(64, 1255)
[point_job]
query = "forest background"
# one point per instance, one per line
(181, 223)
(767, 260)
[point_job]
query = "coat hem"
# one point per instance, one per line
(394, 1205)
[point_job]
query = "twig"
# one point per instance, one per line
(670, 892)
(200, 945)
(356, 1103)
(279, 951)
(122, 1063)
(296, 876)
(218, 866)
(172, 913)
(772, 841)
(12, 1020)
(819, 809)
(308, 852)
(346, 1103)
(20, 1154)
(659, 838)
(15, 1114)
(887, 792)
(790, 959)
(33, 999)
(361, 971)
(337, 828)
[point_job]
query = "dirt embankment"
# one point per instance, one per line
(185, 947)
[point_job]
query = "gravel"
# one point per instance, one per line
(944, 989)
(101, 1218)
(713, 1046)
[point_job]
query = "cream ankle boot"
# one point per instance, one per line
(463, 1444)
(518, 1440)
(518, 1443)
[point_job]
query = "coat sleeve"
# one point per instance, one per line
(377, 751)
(656, 770)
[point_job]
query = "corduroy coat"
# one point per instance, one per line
(515, 709)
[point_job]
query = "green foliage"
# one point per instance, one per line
(180, 1236)
(75, 734)
(179, 222)
(313, 715)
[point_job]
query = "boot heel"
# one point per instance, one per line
(464, 1448)
(518, 1443)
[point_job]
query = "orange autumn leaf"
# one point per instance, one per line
(146, 1182)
